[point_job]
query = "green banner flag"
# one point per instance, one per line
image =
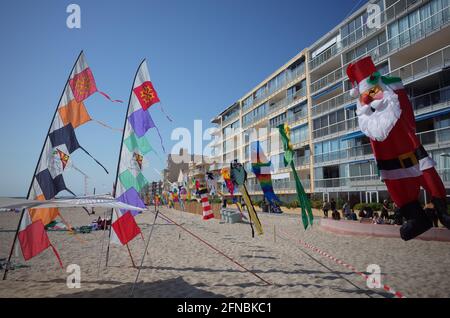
(305, 204)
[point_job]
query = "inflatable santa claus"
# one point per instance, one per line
(386, 116)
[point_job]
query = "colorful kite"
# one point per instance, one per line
(225, 172)
(239, 176)
(59, 144)
(130, 179)
(261, 169)
(211, 183)
(305, 204)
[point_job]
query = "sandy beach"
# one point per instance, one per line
(178, 265)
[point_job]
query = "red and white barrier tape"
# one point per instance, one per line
(348, 266)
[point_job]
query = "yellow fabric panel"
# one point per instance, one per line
(251, 210)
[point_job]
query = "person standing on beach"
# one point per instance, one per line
(333, 205)
(325, 208)
(385, 210)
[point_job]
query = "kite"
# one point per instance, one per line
(130, 180)
(239, 176)
(48, 178)
(261, 169)
(305, 204)
(225, 172)
(386, 116)
(211, 183)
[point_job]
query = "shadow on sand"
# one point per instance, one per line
(170, 288)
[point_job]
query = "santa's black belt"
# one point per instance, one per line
(404, 161)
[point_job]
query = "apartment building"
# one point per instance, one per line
(406, 38)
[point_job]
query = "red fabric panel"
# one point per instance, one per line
(33, 240)
(126, 228)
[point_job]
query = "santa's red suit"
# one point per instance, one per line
(386, 116)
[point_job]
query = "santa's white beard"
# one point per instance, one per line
(378, 124)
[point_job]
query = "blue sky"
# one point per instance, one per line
(202, 54)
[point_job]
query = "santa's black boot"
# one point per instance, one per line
(416, 221)
(441, 208)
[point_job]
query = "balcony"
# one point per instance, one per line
(437, 137)
(405, 38)
(349, 182)
(230, 119)
(422, 67)
(301, 161)
(332, 103)
(445, 176)
(353, 153)
(327, 80)
(357, 36)
(345, 126)
(294, 118)
(280, 187)
(432, 101)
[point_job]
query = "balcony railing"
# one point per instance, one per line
(436, 136)
(295, 117)
(289, 77)
(426, 101)
(427, 138)
(344, 154)
(343, 126)
(426, 65)
(408, 72)
(359, 181)
(327, 80)
(332, 103)
(444, 174)
(280, 186)
(230, 119)
(358, 35)
(405, 38)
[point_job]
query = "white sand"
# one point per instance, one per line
(180, 266)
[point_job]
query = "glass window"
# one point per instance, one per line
(318, 148)
(316, 124)
(247, 103)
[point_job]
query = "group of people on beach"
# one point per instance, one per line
(388, 214)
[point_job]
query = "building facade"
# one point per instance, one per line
(406, 38)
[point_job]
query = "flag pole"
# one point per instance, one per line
(146, 250)
(37, 166)
(120, 158)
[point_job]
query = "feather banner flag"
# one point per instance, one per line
(261, 169)
(239, 176)
(59, 144)
(130, 179)
(305, 204)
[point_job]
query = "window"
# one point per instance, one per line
(247, 103)
(373, 47)
(297, 91)
(296, 69)
(255, 115)
(232, 113)
(277, 82)
(231, 129)
(361, 169)
(260, 93)
(419, 22)
(276, 121)
(299, 134)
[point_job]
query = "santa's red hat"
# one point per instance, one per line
(359, 73)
